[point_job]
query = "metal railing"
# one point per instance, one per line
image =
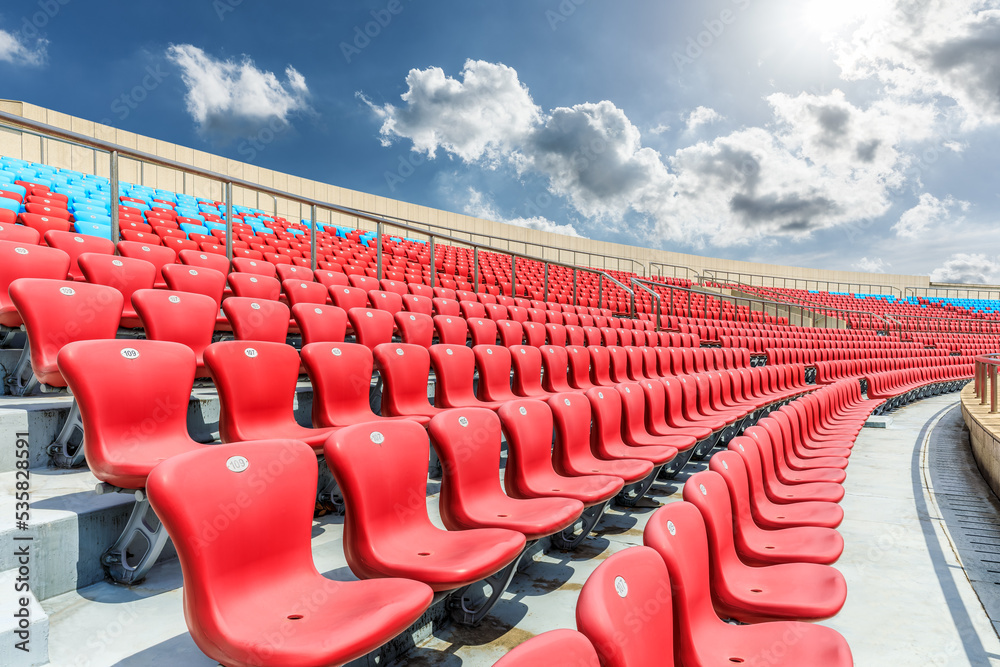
(799, 283)
(632, 263)
(986, 379)
(689, 273)
(116, 152)
(991, 293)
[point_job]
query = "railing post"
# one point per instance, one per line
(229, 220)
(600, 291)
(513, 276)
(312, 237)
(545, 283)
(975, 378)
(575, 302)
(993, 388)
(115, 202)
(475, 269)
(378, 251)
(433, 268)
(983, 394)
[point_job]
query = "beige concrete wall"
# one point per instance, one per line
(508, 237)
(984, 434)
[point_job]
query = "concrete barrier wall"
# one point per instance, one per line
(573, 250)
(984, 432)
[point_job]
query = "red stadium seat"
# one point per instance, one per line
(196, 280)
(180, 317)
(159, 256)
(205, 260)
(404, 370)
(606, 435)
(111, 382)
(255, 266)
(320, 323)
(256, 383)
(254, 286)
(18, 233)
(791, 591)
(454, 370)
(348, 297)
(122, 273)
(554, 647)
(75, 245)
(21, 260)
(415, 328)
(451, 329)
(494, 364)
(382, 468)
(700, 636)
(371, 327)
(528, 427)
(482, 331)
(752, 504)
(625, 610)
(320, 621)
(257, 319)
(300, 291)
(468, 444)
(55, 313)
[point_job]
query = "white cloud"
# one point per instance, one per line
(483, 115)
(659, 129)
(702, 116)
(15, 50)
(232, 97)
(967, 268)
(480, 206)
(946, 48)
(929, 214)
(873, 265)
(821, 162)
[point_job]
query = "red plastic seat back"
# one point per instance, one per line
(196, 280)
(206, 260)
(330, 279)
(58, 312)
(677, 533)
(180, 317)
(626, 611)
(229, 516)
(293, 272)
(451, 329)
(555, 647)
(341, 376)
(381, 468)
(257, 319)
(390, 302)
(320, 323)
(22, 260)
(75, 245)
(120, 385)
(526, 361)
(414, 303)
(255, 266)
(159, 256)
(534, 334)
(494, 364)
(483, 331)
(256, 384)
(348, 297)
(555, 361)
(302, 291)
(405, 369)
(254, 286)
(415, 328)
(17, 233)
(511, 332)
(454, 369)
(371, 327)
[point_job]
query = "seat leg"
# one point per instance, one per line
(631, 493)
(375, 396)
(676, 464)
(62, 451)
(328, 496)
(134, 552)
(470, 604)
(571, 537)
(720, 437)
(15, 379)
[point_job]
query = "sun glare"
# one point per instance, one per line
(826, 16)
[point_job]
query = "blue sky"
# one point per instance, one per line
(860, 134)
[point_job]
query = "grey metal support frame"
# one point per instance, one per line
(656, 296)
(312, 236)
(378, 251)
(135, 551)
(229, 220)
(115, 200)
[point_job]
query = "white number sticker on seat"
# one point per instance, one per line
(237, 463)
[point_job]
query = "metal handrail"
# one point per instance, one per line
(688, 270)
(115, 151)
(784, 281)
(632, 261)
(656, 322)
(912, 291)
(986, 371)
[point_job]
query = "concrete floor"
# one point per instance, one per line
(909, 599)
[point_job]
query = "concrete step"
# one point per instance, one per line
(24, 625)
